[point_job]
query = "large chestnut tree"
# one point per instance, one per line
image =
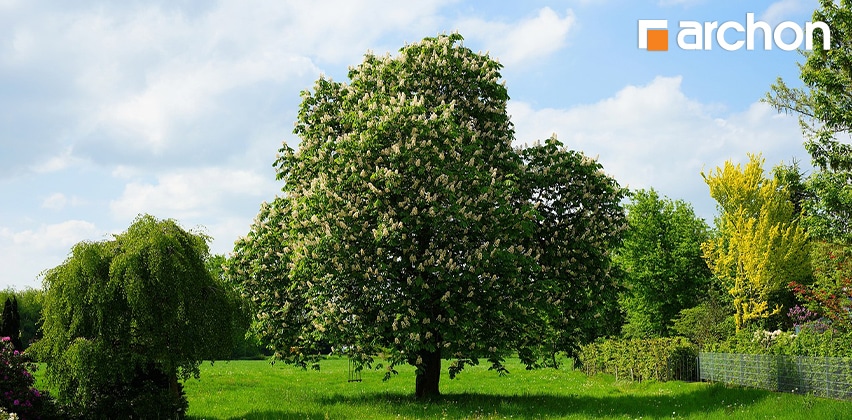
(409, 226)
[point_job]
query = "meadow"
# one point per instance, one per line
(260, 390)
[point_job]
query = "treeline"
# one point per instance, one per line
(774, 272)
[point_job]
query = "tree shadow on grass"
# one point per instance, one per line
(475, 405)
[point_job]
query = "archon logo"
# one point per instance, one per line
(654, 35)
(731, 35)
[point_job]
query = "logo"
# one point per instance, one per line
(654, 35)
(731, 35)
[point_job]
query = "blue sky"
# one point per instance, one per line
(177, 108)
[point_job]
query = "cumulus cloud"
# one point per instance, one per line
(191, 194)
(219, 202)
(56, 201)
(54, 236)
(59, 201)
(26, 253)
(182, 84)
(177, 108)
(655, 136)
(136, 83)
(63, 160)
(519, 42)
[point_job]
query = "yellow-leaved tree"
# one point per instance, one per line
(759, 246)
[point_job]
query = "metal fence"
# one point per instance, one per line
(823, 376)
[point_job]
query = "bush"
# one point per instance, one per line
(830, 294)
(710, 322)
(17, 394)
(808, 342)
(660, 359)
(146, 396)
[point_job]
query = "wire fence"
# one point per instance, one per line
(673, 369)
(823, 376)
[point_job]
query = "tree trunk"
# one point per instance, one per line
(427, 380)
(177, 395)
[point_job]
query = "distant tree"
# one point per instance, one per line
(759, 246)
(709, 322)
(126, 318)
(29, 309)
(246, 344)
(661, 257)
(11, 323)
(410, 227)
(824, 107)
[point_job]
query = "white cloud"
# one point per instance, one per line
(523, 41)
(58, 162)
(130, 83)
(59, 201)
(221, 202)
(656, 136)
(56, 201)
(191, 194)
(54, 236)
(26, 253)
(227, 230)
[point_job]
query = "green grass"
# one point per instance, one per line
(258, 390)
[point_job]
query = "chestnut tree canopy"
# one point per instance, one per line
(409, 226)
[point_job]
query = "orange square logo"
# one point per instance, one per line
(658, 39)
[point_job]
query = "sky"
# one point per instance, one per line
(177, 108)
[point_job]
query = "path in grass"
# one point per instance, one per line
(258, 390)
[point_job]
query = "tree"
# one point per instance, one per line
(578, 222)
(824, 107)
(245, 344)
(661, 257)
(759, 246)
(409, 226)
(125, 318)
(11, 323)
(709, 322)
(29, 309)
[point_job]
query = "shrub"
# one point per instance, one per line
(710, 322)
(17, 394)
(808, 342)
(830, 294)
(803, 318)
(660, 359)
(146, 396)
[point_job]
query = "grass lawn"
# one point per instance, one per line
(258, 390)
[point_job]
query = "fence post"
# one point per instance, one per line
(698, 368)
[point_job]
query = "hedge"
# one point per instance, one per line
(806, 343)
(661, 359)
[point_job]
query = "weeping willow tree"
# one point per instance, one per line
(126, 318)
